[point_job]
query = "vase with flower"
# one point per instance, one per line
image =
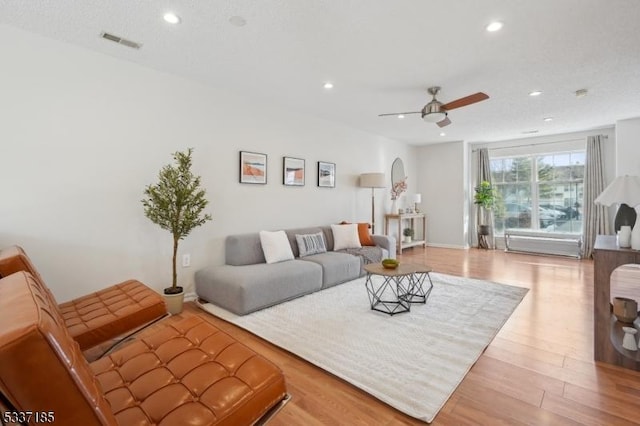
(397, 190)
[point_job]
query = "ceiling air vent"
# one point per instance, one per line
(120, 40)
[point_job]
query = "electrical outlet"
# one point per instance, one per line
(186, 260)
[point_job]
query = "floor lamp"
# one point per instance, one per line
(373, 181)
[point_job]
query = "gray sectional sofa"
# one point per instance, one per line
(246, 283)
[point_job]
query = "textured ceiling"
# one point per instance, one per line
(382, 56)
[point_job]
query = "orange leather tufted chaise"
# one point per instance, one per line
(97, 317)
(187, 373)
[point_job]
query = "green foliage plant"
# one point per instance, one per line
(407, 232)
(485, 195)
(176, 203)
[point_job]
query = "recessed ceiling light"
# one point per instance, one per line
(548, 119)
(400, 116)
(535, 93)
(171, 18)
(443, 134)
(328, 85)
(495, 26)
(238, 21)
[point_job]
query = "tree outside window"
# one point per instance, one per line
(539, 192)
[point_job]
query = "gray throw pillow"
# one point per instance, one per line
(309, 244)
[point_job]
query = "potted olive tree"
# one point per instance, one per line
(176, 203)
(485, 198)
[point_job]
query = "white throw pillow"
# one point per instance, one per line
(345, 236)
(275, 246)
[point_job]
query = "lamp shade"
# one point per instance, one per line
(372, 180)
(417, 198)
(623, 189)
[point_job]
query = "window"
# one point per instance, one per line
(540, 192)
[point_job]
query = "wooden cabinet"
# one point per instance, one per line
(409, 220)
(607, 331)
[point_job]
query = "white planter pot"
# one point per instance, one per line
(174, 302)
(407, 239)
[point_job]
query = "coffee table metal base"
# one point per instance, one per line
(388, 297)
(417, 292)
(400, 287)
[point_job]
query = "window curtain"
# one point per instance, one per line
(484, 174)
(595, 217)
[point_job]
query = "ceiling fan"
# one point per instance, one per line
(436, 112)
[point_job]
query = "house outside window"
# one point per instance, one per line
(541, 192)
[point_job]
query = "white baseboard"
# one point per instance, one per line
(451, 246)
(190, 297)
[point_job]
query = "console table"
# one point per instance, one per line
(608, 332)
(411, 217)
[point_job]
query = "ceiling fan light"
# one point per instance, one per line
(434, 117)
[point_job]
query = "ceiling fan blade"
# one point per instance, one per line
(400, 113)
(444, 122)
(467, 100)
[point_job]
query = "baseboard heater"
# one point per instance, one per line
(543, 243)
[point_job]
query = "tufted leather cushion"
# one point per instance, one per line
(97, 317)
(188, 373)
(100, 316)
(41, 366)
(14, 259)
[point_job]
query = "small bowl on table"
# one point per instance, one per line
(390, 263)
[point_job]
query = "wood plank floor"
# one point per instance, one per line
(538, 370)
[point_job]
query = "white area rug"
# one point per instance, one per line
(413, 361)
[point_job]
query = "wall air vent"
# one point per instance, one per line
(120, 40)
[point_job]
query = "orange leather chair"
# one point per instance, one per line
(187, 373)
(97, 317)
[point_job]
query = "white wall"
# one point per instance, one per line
(628, 154)
(628, 142)
(441, 170)
(82, 134)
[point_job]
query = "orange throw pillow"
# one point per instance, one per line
(365, 235)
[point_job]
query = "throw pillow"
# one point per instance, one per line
(345, 236)
(275, 246)
(365, 235)
(309, 244)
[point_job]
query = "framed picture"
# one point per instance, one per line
(293, 171)
(253, 167)
(326, 174)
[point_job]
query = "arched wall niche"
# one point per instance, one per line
(625, 285)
